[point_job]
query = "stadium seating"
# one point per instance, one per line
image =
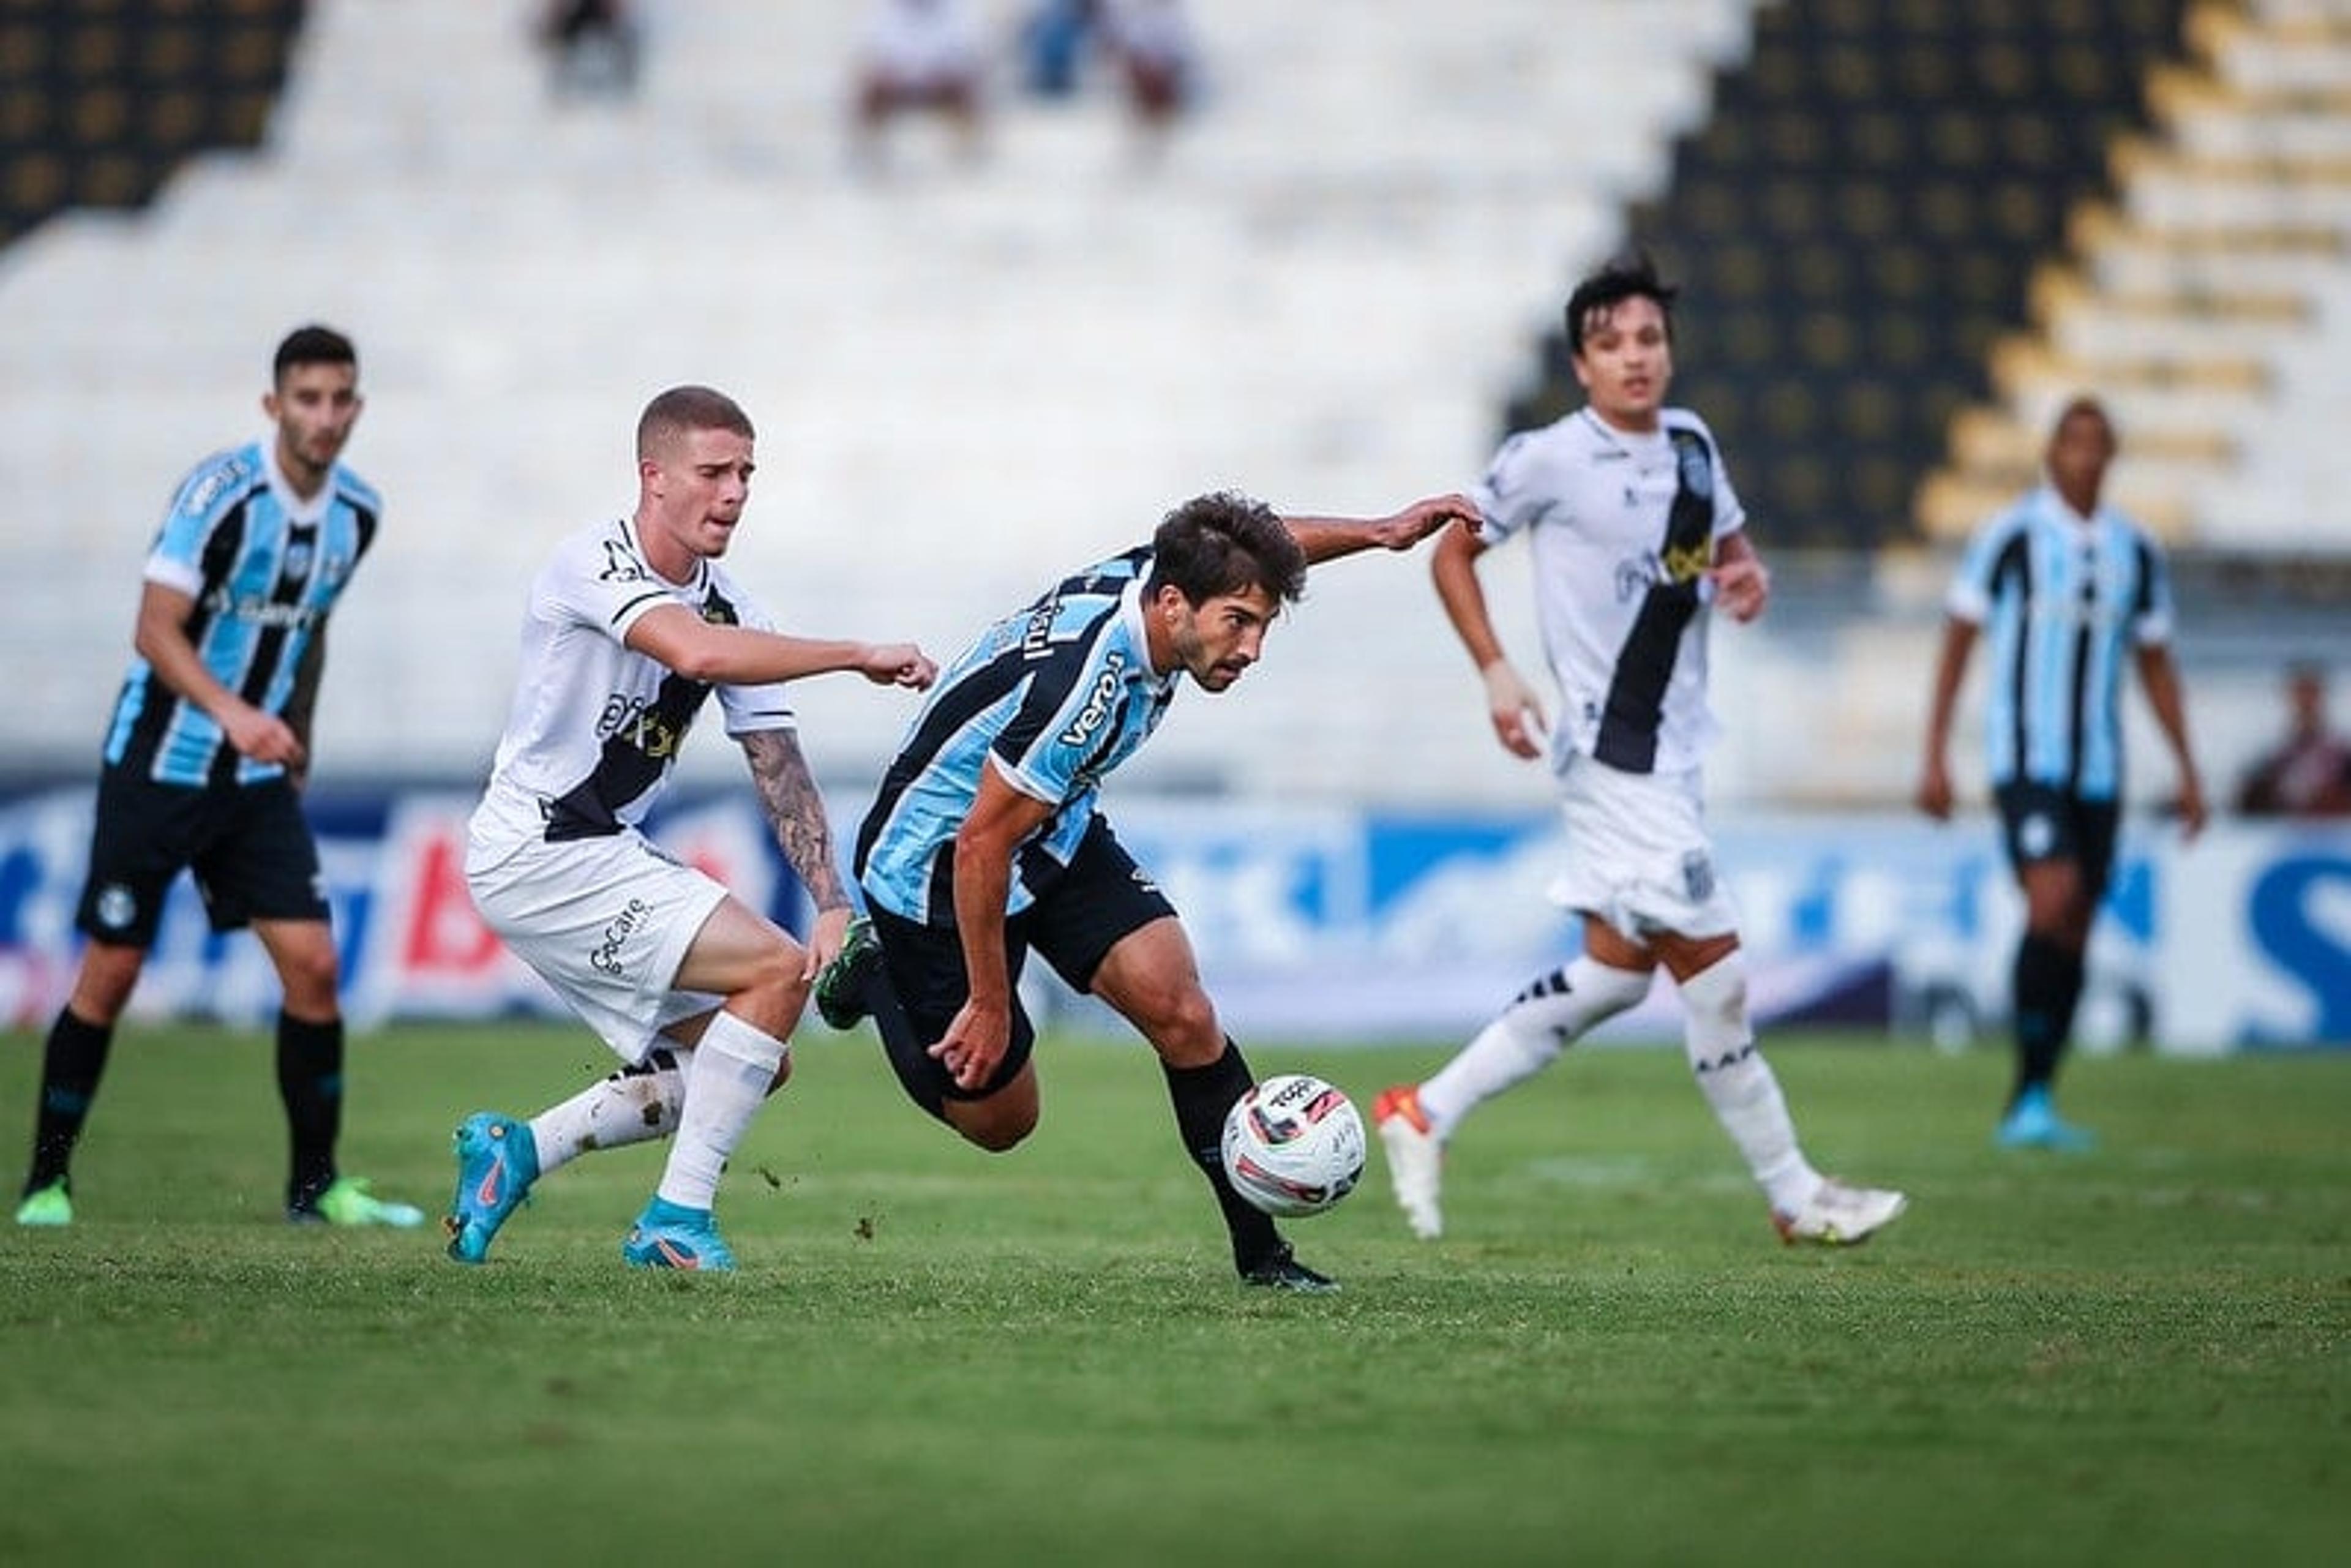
(2204, 301)
(1857, 223)
(967, 379)
(103, 99)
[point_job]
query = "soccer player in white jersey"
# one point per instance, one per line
(986, 841)
(205, 760)
(1636, 536)
(2071, 589)
(630, 627)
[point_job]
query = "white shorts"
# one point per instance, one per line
(1637, 854)
(606, 922)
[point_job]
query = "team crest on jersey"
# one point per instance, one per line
(118, 906)
(1697, 876)
(1697, 469)
(621, 565)
(298, 558)
(2036, 836)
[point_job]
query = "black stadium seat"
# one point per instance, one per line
(1856, 225)
(101, 99)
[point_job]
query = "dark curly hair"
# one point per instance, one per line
(1226, 542)
(1622, 280)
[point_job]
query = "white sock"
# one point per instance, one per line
(732, 1071)
(1526, 1037)
(632, 1106)
(1739, 1085)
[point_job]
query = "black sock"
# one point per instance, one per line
(2048, 985)
(71, 1066)
(1202, 1096)
(310, 1082)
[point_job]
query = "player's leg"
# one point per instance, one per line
(310, 1054)
(259, 867)
(1150, 976)
(73, 1061)
(501, 1158)
(624, 975)
(917, 988)
(1417, 1121)
(1623, 834)
(741, 1058)
(141, 836)
(1107, 929)
(2045, 847)
(1741, 1088)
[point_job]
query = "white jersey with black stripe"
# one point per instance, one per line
(595, 727)
(1623, 526)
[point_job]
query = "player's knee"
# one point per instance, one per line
(993, 1130)
(1569, 1001)
(311, 979)
(1717, 1031)
(1183, 1026)
(774, 993)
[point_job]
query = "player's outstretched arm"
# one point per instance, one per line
(739, 655)
(794, 808)
(1328, 538)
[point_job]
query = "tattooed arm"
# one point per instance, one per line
(794, 812)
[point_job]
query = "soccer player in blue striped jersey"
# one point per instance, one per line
(204, 757)
(986, 840)
(2072, 592)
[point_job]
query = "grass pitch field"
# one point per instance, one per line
(936, 1355)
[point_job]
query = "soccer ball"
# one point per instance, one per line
(1293, 1145)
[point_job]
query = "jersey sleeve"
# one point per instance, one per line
(747, 710)
(1730, 516)
(1969, 598)
(1507, 498)
(205, 498)
(1074, 705)
(596, 580)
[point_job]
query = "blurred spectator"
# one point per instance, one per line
(593, 47)
(924, 56)
(1055, 36)
(1158, 57)
(2309, 772)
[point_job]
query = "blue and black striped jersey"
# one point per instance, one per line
(264, 567)
(1053, 697)
(2067, 600)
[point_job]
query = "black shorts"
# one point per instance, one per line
(249, 848)
(2042, 822)
(1099, 899)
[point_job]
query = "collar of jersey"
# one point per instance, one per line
(1130, 610)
